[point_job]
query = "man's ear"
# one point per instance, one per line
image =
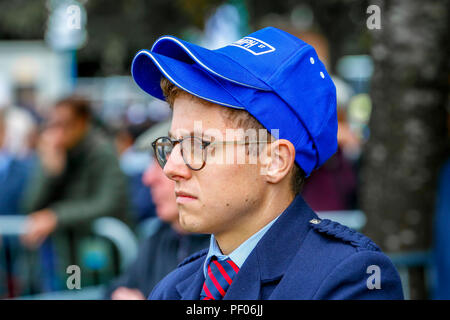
(278, 160)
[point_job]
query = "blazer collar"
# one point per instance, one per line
(190, 288)
(272, 256)
(282, 241)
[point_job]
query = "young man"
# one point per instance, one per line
(266, 243)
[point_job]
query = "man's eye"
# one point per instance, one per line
(206, 141)
(211, 149)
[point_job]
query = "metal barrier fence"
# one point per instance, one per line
(109, 229)
(125, 242)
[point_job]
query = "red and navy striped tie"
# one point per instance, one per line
(219, 277)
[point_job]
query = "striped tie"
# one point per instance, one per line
(219, 277)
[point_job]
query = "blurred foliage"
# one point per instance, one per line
(342, 22)
(198, 10)
(22, 19)
(117, 30)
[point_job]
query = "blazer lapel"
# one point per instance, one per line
(272, 256)
(190, 288)
(246, 284)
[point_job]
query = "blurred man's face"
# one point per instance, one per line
(220, 196)
(66, 128)
(162, 191)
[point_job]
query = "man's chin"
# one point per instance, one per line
(190, 223)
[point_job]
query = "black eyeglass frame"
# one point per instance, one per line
(204, 144)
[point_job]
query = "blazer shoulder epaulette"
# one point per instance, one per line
(343, 233)
(193, 257)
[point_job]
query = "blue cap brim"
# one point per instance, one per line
(211, 61)
(148, 68)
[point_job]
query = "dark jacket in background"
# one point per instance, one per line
(159, 254)
(91, 186)
(336, 179)
(14, 173)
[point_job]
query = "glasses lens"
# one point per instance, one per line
(163, 148)
(192, 149)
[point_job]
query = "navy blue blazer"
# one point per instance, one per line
(299, 257)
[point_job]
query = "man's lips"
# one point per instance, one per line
(183, 197)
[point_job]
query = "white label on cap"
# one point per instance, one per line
(253, 45)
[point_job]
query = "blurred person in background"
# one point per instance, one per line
(337, 177)
(77, 179)
(133, 164)
(16, 162)
(25, 98)
(167, 246)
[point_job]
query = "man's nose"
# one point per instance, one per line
(175, 168)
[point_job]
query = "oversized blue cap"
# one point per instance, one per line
(274, 75)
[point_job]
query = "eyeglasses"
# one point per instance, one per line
(193, 149)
